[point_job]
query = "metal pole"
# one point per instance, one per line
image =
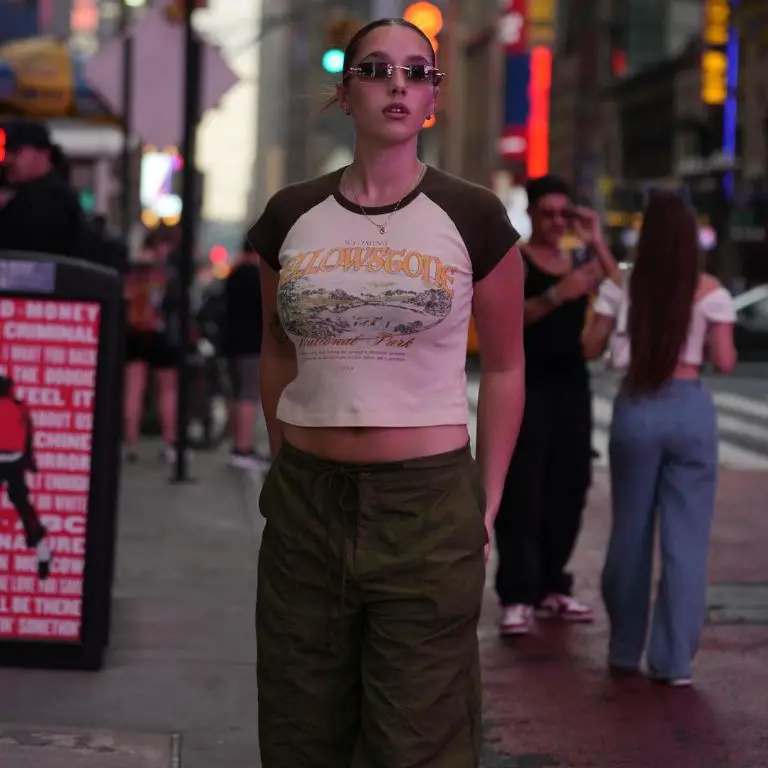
(126, 196)
(189, 216)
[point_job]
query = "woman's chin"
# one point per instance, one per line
(394, 132)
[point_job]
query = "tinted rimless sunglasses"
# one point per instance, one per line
(382, 70)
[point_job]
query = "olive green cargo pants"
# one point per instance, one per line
(370, 587)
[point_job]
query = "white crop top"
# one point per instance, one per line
(715, 307)
(380, 321)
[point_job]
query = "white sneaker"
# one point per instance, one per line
(564, 607)
(169, 454)
(248, 461)
(516, 620)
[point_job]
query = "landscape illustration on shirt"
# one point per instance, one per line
(400, 293)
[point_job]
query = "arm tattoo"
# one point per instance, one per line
(278, 332)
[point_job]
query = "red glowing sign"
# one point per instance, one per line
(513, 27)
(538, 119)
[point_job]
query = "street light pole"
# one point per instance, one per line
(126, 196)
(189, 217)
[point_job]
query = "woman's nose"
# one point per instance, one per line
(398, 81)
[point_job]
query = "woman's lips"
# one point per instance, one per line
(396, 111)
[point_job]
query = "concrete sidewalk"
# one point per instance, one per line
(179, 684)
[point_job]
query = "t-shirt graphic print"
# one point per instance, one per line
(325, 304)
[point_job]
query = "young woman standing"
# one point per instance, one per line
(152, 343)
(372, 564)
(663, 441)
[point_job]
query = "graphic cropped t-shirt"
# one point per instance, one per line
(380, 321)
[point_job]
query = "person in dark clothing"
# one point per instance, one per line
(43, 213)
(16, 458)
(551, 470)
(6, 192)
(241, 346)
(102, 245)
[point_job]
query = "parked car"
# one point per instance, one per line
(751, 330)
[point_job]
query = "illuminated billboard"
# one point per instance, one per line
(526, 30)
(714, 57)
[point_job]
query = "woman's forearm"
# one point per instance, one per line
(607, 262)
(277, 372)
(499, 415)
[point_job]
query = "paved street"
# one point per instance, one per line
(178, 689)
(550, 704)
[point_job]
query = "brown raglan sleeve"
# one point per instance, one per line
(267, 234)
(499, 236)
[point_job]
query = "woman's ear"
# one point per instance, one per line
(341, 97)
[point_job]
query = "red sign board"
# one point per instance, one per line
(513, 27)
(48, 365)
(513, 143)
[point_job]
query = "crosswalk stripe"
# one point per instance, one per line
(746, 406)
(473, 392)
(735, 457)
(600, 444)
(738, 426)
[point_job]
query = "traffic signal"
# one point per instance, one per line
(218, 255)
(338, 33)
(2, 145)
(333, 60)
(427, 17)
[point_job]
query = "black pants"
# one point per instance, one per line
(12, 475)
(544, 496)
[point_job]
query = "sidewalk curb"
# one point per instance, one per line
(176, 746)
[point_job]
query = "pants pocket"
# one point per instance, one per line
(266, 494)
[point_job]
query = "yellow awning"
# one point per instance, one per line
(43, 77)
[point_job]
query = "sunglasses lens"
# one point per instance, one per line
(372, 70)
(381, 70)
(418, 72)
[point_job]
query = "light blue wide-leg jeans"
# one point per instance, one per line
(663, 459)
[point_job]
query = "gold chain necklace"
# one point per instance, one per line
(383, 227)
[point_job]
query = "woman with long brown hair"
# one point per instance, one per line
(372, 562)
(663, 441)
